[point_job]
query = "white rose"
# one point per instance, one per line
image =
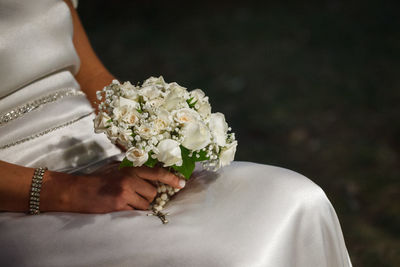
(175, 98)
(162, 120)
(129, 91)
(126, 114)
(202, 105)
(137, 156)
(185, 115)
(197, 95)
(125, 137)
(149, 92)
(112, 133)
(219, 128)
(132, 104)
(227, 154)
(155, 81)
(169, 152)
(118, 113)
(101, 122)
(146, 131)
(130, 117)
(122, 106)
(204, 109)
(195, 135)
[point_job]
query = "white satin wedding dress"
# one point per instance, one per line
(247, 214)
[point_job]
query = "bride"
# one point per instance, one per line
(93, 214)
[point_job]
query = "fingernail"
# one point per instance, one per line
(182, 183)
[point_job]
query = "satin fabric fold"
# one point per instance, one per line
(245, 215)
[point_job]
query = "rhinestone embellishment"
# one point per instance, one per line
(19, 111)
(23, 140)
(34, 200)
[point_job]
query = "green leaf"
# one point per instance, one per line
(125, 163)
(188, 163)
(186, 169)
(189, 101)
(140, 109)
(151, 162)
(141, 100)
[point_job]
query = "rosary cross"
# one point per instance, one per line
(160, 215)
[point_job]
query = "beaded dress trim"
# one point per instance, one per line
(49, 130)
(21, 110)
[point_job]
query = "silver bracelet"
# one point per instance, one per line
(34, 198)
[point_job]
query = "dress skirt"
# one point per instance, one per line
(246, 214)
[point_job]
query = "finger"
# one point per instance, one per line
(138, 202)
(127, 207)
(131, 206)
(160, 174)
(145, 189)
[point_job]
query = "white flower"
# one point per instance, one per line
(101, 122)
(169, 152)
(197, 94)
(112, 133)
(227, 154)
(175, 99)
(202, 106)
(126, 114)
(219, 128)
(185, 115)
(130, 117)
(137, 156)
(154, 81)
(129, 91)
(149, 92)
(122, 105)
(128, 102)
(204, 109)
(118, 112)
(195, 135)
(153, 104)
(125, 137)
(145, 131)
(162, 120)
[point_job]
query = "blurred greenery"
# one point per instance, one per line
(311, 86)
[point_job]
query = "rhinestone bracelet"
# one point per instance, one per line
(34, 199)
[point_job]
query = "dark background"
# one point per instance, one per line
(311, 86)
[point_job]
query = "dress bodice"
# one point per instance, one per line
(35, 41)
(45, 119)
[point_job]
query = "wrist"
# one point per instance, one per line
(55, 195)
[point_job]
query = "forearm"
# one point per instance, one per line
(92, 81)
(92, 75)
(15, 186)
(15, 183)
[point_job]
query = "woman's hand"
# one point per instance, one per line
(105, 191)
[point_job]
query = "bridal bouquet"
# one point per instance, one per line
(163, 124)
